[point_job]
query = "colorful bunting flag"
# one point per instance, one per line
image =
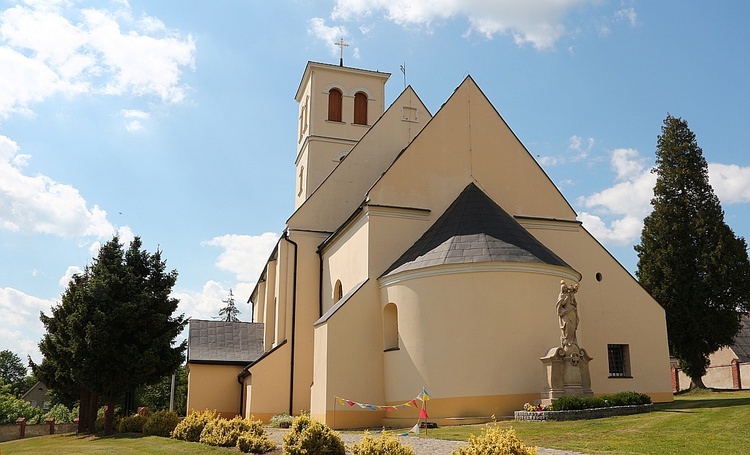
(423, 396)
(415, 428)
(423, 414)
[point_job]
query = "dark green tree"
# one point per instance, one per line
(229, 313)
(114, 330)
(156, 396)
(12, 371)
(689, 259)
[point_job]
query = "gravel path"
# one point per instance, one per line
(422, 446)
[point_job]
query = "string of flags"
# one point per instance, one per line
(423, 397)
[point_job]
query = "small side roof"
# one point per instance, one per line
(220, 342)
(474, 229)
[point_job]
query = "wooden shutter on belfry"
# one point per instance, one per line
(360, 108)
(334, 105)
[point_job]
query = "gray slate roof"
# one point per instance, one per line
(474, 229)
(741, 346)
(224, 342)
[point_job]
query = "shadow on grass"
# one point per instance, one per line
(683, 405)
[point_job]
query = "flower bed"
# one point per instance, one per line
(581, 414)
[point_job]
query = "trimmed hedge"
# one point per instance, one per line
(574, 403)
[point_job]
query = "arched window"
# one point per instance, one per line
(334, 105)
(360, 108)
(390, 327)
(338, 291)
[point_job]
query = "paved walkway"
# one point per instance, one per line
(422, 446)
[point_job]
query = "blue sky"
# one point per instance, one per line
(176, 120)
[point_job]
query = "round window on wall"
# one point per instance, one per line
(599, 276)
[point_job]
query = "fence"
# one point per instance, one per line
(21, 430)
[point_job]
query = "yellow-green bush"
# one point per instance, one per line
(494, 440)
(161, 423)
(384, 445)
(224, 433)
(132, 424)
(308, 436)
(190, 428)
(251, 443)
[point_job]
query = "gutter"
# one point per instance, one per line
(294, 321)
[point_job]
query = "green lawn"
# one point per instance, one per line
(696, 423)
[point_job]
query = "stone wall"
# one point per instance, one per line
(596, 413)
(13, 432)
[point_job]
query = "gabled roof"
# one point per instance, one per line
(474, 229)
(741, 345)
(220, 342)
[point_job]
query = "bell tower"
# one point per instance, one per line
(337, 105)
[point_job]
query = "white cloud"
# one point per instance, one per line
(538, 23)
(39, 204)
(49, 48)
(629, 200)
(580, 147)
(134, 118)
(330, 35)
(21, 312)
(69, 272)
(628, 15)
(730, 182)
(244, 255)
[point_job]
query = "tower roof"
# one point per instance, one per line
(474, 229)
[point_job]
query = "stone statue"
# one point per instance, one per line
(567, 312)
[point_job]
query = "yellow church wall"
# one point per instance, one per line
(344, 189)
(345, 261)
(351, 363)
(465, 332)
(214, 387)
(267, 387)
(467, 141)
(307, 311)
(615, 310)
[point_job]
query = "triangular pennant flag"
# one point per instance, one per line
(340, 400)
(363, 406)
(423, 414)
(415, 428)
(425, 395)
(350, 403)
(414, 403)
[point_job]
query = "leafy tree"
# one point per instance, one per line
(689, 260)
(229, 313)
(12, 371)
(156, 396)
(114, 330)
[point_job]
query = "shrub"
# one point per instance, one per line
(383, 445)
(309, 436)
(161, 423)
(224, 433)
(282, 421)
(251, 443)
(571, 403)
(496, 441)
(132, 424)
(12, 408)
(190, 428)
(60, 413)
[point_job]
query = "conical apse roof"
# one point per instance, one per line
(474, 229)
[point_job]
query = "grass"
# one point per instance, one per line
(121, 444)
(698, 423)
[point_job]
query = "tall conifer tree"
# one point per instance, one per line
(689, 259)
(114, 330)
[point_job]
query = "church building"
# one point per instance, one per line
(425, 253)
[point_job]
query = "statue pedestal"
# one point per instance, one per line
(566, 372)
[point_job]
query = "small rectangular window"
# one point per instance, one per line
(618, 356)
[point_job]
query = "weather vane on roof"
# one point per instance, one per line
(340, 43)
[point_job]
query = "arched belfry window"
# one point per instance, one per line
(360, 108)
(338, 291)
(334, 105)
(390, 327)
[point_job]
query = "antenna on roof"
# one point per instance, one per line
(342, 45)
(403, 70)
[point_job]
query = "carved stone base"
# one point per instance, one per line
(566, 372)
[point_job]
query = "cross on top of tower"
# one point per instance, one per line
(340, 43)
